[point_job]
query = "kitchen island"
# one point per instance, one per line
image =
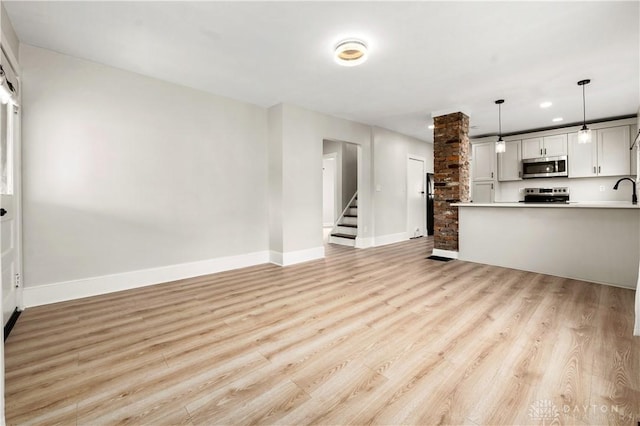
(590, 241)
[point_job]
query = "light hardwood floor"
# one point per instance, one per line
(379, 336)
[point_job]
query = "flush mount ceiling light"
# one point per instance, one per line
(584, 135)
(351, 52)
(557, 119)
(546, 104)
(501, 146)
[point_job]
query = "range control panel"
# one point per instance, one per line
(559, 190)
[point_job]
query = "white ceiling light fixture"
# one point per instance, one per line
(351, 52)
(546, 104)
(584, 135)
(557, 119)
(501, 146)
(431, 126)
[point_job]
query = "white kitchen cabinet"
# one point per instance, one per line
(510, 162)
(582, 157)
(482, 192)
(484, 161)
(532, 148)
(547, 146)
(608, 153)
(614, 156)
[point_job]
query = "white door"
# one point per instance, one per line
(416, 198)
(328, 191)
(8, 213)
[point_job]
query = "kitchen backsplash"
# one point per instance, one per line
(583, 189)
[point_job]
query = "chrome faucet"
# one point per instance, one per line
(634, 197)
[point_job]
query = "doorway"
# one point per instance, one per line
(416, 197)
(9, 209)
(340, 169)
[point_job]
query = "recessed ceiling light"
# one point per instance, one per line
(351, 52)
(557, 119)
(546, 104)
(431, 126)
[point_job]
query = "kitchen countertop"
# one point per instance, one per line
(572, 204)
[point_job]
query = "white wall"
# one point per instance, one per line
(349, 173)
(391, 151)
(275, 178)
(347, 161)
(303, 132)
(337, 148)
(123, 172)
(9, 37)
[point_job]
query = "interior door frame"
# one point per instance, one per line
(424, 186)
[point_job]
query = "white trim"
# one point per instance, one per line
(76, 289)
(363, 242)
(293, 257)
(445, 253)
(383, 240)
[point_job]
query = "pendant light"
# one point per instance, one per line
(584, 135)
(500, 144)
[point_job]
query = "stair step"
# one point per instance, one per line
(342, 241)
(350, 215)
(348, 225)
(337, 234)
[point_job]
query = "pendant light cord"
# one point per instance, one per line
(584, 109)
(499, 121)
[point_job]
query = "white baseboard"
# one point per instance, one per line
(293, 257)
(76, 289)
(390, 239)
(445, 253)
(364, 242)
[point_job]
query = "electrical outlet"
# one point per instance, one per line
(601, 188)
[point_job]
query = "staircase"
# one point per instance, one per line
(345, 231)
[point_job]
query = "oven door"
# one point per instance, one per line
(545, 167)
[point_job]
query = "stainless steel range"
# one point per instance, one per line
(546, 195)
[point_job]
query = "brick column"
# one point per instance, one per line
(451, 173)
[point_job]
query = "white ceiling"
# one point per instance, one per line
(425, 56)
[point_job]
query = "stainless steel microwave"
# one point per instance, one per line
(545, 167)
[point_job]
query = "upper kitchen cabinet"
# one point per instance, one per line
(510, 162)
(583, 157)
(608, 153)
(614, 156)
(547, 146)
(484, 161)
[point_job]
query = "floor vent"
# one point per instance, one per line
(440, 258)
